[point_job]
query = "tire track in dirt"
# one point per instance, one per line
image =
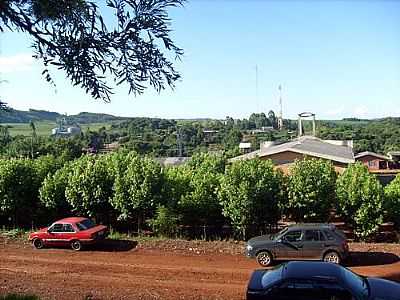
(138, 273)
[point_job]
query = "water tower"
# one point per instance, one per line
(306, 115)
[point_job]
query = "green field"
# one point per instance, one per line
(44, 128)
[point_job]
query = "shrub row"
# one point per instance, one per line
(125, 189)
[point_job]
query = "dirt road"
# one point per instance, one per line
(141, 273)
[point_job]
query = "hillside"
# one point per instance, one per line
(20, 116)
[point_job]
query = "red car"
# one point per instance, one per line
(74, 232)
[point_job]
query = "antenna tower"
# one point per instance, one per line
(280, 117)
(258, 104)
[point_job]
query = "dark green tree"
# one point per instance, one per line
(311, 190)
(392, 201)
(18, 190)
(250, 193)
(360, 199)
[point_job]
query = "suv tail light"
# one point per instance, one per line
(345, 245)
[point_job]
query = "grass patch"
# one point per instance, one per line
(14, 234)
(44, 128)
(18, 297)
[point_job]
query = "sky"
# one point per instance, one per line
(334, 58)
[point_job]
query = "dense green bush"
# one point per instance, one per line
(311, 190)
(392, 201)
(165, 222)
(137, 188)
(199, 201)
(360, 199)
(90, 186)
(129, 190)
(18, 189)
(249, 194)
(52, 191)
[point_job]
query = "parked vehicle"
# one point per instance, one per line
(74, 232)
(303, 280)
(300, 242)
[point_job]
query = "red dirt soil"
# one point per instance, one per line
(151, 273)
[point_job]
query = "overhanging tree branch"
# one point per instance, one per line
(72, 36)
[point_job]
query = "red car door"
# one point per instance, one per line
(68, 233)
(54, 235)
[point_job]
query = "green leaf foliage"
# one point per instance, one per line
(137, 186)
(52, 191)
(392, 201)
(311, 190)
(165, 222)
(360, 199)
(249, 194)
(90, 185)
(199, 202)
(18, 188)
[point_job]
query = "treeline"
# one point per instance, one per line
(378, 136)
(19, 116)
(133, 192)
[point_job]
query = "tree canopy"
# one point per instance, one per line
(311, 190)
(134, 47)
(360, 199)
(249, 194)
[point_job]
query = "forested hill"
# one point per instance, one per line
(20, 116)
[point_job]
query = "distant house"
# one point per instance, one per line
(394, 156)
(245, 147)
(373, 161)
(340, 153)
(262, 129)
(209, 135)
(66, 131)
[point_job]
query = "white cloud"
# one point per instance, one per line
(15, 63)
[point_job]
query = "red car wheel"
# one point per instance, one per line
(76, 245)
(37, 243)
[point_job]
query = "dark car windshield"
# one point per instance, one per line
(85, 224)
(356, 283)
(272, 276)
(280, 233)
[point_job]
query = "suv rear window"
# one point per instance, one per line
(314, 235)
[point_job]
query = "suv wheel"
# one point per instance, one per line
(332, 257)
(37, 243)
(264, 258)
(76, 245)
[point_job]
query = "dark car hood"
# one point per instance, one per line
(382, 289)
(260, 239)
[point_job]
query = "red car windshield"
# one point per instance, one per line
(85, 224)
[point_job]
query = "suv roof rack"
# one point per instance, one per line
(330, 225)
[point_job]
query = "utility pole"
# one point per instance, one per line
(179, 142)
(258, 104)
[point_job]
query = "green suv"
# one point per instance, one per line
(300, 242)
